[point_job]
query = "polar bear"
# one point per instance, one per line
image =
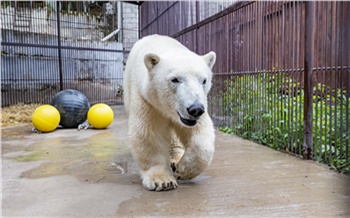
(165, 95)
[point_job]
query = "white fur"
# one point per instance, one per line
(155, 103)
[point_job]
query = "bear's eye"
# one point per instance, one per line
(175, 80)
(204, 82)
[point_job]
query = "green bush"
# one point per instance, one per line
(269, 109)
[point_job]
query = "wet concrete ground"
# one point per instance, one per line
(91, 173)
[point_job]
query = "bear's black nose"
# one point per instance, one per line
(196, 109)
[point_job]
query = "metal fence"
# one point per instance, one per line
(282, 76)
(46, 48)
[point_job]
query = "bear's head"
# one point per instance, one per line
(178, 86)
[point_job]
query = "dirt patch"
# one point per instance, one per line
(17, 114)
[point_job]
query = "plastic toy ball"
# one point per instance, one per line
(100, 116)
(73, 107)
(46, 118)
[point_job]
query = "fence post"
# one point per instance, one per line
(308, 75)
(59, 45)
(197, 21)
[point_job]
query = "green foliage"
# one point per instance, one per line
(5, 4)
(49, 10)
(269, 109)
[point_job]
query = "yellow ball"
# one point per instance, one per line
(46, 118)
(100, 116)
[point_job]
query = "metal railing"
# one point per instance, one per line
(282, 76)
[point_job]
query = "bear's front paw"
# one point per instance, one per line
(159, 181)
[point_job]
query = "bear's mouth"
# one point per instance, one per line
(187, 122)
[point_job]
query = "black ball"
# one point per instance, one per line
(73, 107)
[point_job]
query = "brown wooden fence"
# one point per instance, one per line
(282, 75)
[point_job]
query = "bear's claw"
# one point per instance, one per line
(165, 186)
(159, 182)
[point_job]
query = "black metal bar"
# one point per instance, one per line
(197, 20)
(59, 45)
(62, 47)
(326, 61)
(347, 72)
(308, 79)
(139, 23)
(282, 70)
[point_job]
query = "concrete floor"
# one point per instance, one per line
(91, 173)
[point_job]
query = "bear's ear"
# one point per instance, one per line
(210, 59)
(151, 60)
